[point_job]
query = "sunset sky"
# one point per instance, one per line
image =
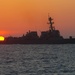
(19, 16)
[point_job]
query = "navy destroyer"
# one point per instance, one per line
(52, 36)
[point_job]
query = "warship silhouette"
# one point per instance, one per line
(52, 36)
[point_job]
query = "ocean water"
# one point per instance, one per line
(37, 59)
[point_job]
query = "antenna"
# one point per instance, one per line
(51, 23)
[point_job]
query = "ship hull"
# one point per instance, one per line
(58, 41)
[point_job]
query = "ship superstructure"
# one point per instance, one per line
(52, 33)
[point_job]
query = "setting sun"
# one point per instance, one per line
(2, 38)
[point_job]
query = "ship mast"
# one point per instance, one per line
(51, 28)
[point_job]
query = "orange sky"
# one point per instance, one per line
(19, 16)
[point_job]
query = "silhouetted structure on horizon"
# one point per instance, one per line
(52, 36)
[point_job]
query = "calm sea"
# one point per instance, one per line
(37, 59)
